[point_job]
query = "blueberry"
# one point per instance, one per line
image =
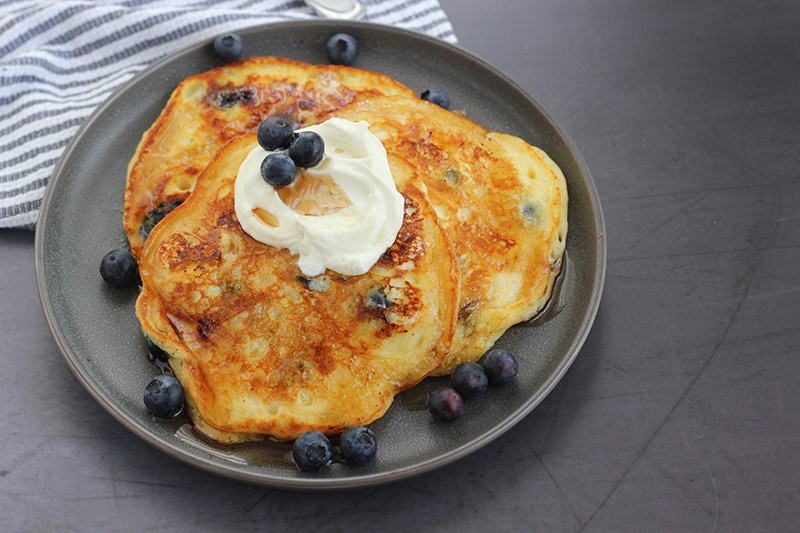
(311, 451)
(155, 215)
(358, 445)
(243, 95)
(229, 47)
(469, 380)
(438, 97)
(119, 268)
(307, 149)
(164, 396)
(278, 170)
(500, 366)
(446, 403)
(155, 352)
(378, 299)
(275, 134)
(342, 49)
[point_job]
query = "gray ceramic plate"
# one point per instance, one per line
(99, 336)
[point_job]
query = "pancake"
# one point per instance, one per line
(262, 350)
(207, 110)
(502, 202)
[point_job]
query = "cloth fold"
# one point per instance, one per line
(60, 60)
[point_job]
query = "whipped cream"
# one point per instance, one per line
(348, 239)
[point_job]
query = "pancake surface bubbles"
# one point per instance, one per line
(262, 350)
(209, 109)
(502, 202)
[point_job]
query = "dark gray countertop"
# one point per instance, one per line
(680, 413)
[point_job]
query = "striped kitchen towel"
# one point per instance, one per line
(59, 60)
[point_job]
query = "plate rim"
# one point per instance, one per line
(316, 483)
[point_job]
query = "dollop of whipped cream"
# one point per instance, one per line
(349, 239)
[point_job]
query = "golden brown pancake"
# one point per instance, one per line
(261, 349)
(207, 110)
(502, 202)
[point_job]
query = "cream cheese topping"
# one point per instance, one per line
(349, 239)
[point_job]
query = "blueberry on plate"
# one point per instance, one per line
(437, 96)
(164, 396)
(358, 445)
(275, 133)
(307, 149)
(446, 403)
(342, 49)
(469, 380)
(311, 451)
(500, 366)
(278, 170)
(119, 268)
(229, 47)
(154, 351)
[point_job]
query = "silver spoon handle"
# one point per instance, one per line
(337, 9)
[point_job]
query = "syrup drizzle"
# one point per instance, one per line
(555, 304)
(318, 195)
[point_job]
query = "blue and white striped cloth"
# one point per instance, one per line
(60, 59)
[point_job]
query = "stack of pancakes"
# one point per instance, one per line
(263, 351)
